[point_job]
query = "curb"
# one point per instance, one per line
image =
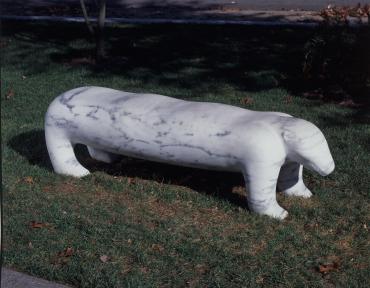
(111, 21)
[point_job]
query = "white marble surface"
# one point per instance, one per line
(269, 148)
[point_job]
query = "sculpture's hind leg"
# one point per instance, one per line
(103, 156)
(261, 185)
(290, 180)
(61, 153)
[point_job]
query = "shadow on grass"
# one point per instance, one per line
(182, 56)
(31, 145)
(197, 57)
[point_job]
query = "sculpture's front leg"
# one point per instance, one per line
(261, 182)
(290, 180)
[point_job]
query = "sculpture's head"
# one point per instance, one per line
(306, 145)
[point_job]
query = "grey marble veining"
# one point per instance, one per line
(269, 148)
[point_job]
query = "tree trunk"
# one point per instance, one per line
(100, 51)
(88, 24)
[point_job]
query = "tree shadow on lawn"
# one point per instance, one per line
(196, 57)
(185, 56)
(223, 185)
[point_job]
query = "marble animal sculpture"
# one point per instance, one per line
(269, 148)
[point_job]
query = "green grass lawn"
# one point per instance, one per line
(163, 226)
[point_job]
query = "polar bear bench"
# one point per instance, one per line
(269, 148)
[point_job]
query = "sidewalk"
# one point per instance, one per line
(13, 279)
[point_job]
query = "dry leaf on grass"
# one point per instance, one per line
(246, 100)
(10, 94)
(130, 180)
(62, 257)
(38, 225)
(47, 189)
(349, 103)
(144, 270)
(4, 43)
(104, 258)
(326, 268)
(157, 247)
(331, 265)
(201, 268)
(29, 180)
(259, 279)
(80, 61)
(289, 99)
(66, 252)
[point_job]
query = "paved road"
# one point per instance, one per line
(252, 4)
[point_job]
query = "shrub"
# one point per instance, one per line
(337, 58)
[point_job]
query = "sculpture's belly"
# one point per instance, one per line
(170, 140)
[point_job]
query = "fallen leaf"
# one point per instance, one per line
(37, 225)
(66, 252)
(289, 99)
(10, 94)
(349, 103)
(47, 189)
(246, 100)
(316, 94)
(330, 265)
(3, 43)
(259, 279)
(157, 247)
(144, 270)
(79, 61)
(192, 283)
(361, 266)
(104, 258)
(28, 180)
(62, 257)
(326, 268)
(126, 270)
(201, 268)
(130, 180)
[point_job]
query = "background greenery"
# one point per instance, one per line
(143, 224)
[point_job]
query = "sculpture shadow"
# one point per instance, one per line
(32, 146)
